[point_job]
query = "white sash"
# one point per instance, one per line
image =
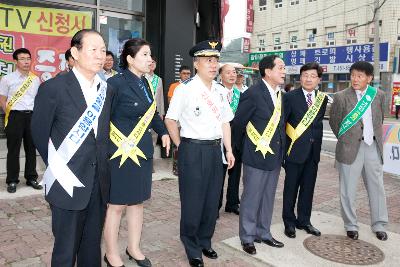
(57, 168)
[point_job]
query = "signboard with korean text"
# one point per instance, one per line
(245, 45)
(46, 32)
(249, 17)
(391, 148)
(254, 58)
(336, 59)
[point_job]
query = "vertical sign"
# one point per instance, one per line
(249, 16)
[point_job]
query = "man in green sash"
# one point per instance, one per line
(17, 94)
(356, 118)
(228, 76)
(304, 111)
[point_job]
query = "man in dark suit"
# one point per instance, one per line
(304, 111)
(260, 134)
(70, 128)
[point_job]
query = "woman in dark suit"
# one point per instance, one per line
(131, 162)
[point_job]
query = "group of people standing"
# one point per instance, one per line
(95, 139)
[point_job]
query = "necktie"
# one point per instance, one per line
(309, 100)
(368, 130)
(143, 87)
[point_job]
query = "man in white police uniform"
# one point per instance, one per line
(200, 106)
(70, 128)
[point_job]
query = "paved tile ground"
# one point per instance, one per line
(26, 238)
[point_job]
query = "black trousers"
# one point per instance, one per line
(77, 233)
(232, 191)
(200, 175)
(17, 131)
(299, 181)
(397, 111)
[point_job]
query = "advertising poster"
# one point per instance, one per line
(46, 32)
(391, 148)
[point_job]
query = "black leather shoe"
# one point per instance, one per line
(352, 234)
(34, 184)
(290, 232)
(109, 264)
(143, 263)
(210, 253)
(196, 262)
(381, 235)
(11, 187)
(232, 210)
(310, 229)
(270, 242)
(249, 248)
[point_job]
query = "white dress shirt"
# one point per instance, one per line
(272, 91)
(368, 130)
(10, 83)
(192, 112)
(89, 90)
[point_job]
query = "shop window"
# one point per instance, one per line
(131, 5)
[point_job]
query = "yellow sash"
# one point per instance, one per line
(17, 95)
(263, 141)
(128, 146)
(306, 121)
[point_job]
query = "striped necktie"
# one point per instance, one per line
(309, 101)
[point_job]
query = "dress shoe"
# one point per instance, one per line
(109, 264)
(352, 234)
(309, 229)
(34, 184)
(249, 248)
(210, 253)
(196, 262)
(142, 263)
(11, 187)
(232, 210)
(381, 235)
(270, 242)
(290, 232)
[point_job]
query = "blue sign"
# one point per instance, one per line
(336, 59)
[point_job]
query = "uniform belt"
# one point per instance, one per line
(201, 142)
(23, 111)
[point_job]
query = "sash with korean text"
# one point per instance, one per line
(127, 146)
(18, 95)
(262, 142)
(57, 168)
(235, 99)
(154, 82)
(358, 111)
(306, 121)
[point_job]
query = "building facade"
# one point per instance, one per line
(335, 33)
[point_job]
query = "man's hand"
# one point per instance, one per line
(166, 142)
(230, 159)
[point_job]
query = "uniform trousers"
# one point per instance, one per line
(257, 203)
(18, 130)
(299, 181)
(77, 233)
(368, 165)
(397, 111)
(232, 191)
(200, 180)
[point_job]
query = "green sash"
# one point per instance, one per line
(154, 82)
(235, 99)
(358, 111)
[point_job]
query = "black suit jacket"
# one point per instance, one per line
(58, 105)
(295, 106)
(129, 105)
(256, 105)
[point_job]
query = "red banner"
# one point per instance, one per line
(224, 11)
(246, 45)
(249, 17)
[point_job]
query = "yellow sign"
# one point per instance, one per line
(43, 21)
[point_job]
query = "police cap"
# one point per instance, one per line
(208, 48)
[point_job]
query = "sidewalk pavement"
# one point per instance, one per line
(26, 237)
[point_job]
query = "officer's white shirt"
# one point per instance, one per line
(10, 83)
(272, 91)
(89, 90)
(192, 112)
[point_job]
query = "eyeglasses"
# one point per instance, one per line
(309, 76)
(24, 59)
